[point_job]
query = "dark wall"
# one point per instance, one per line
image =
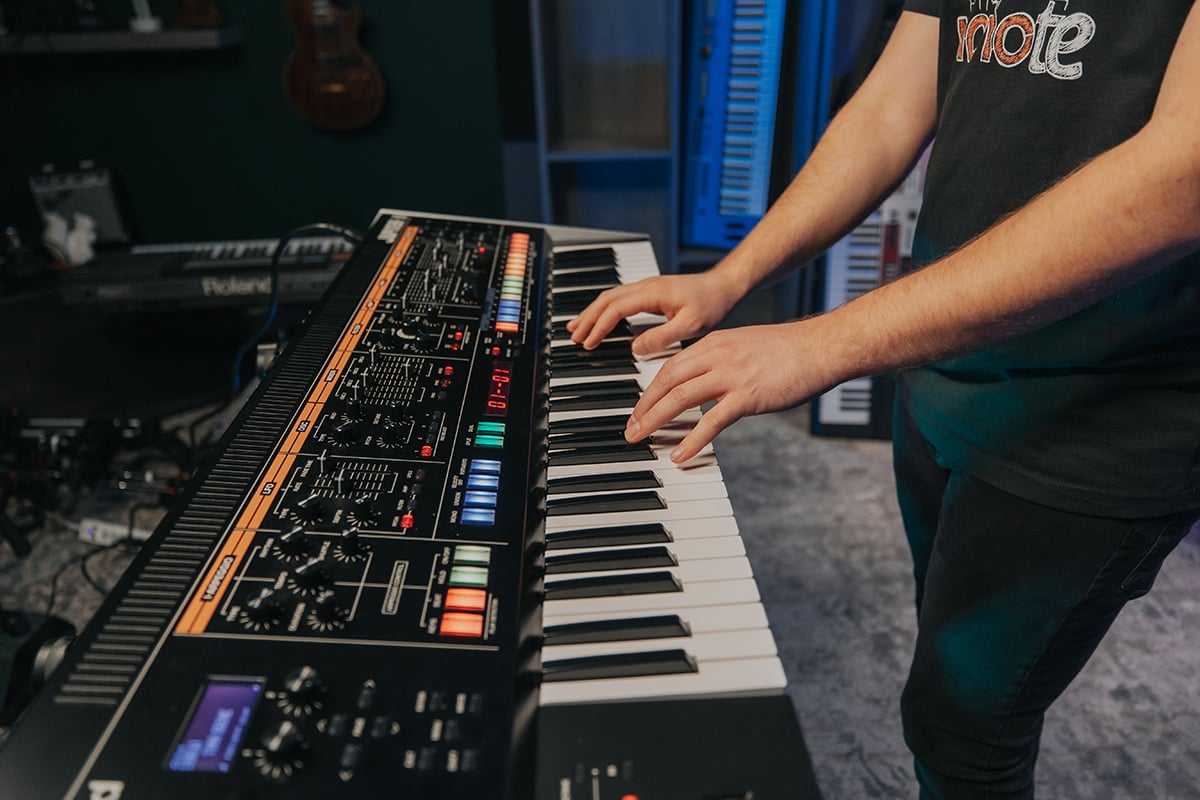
(207, 146)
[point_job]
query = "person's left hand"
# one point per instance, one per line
(752, 370)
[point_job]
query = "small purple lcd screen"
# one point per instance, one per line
(212, 736)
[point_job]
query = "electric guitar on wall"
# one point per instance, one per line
(330, 82)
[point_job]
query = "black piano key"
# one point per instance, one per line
(607, 422)
(584, 258)
(572, 302)
(601, 276)
(619, 665)
(612, 368)
(591, 439)
(622, 330)
(622, 585)
(602, 560)
(592, 402)
(605, 348)
(595, 388)
(572, 456)
(612, 482)
(604, 503)
(589, 359)
(667, 626)
(614, 536)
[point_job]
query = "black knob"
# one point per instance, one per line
(310, 509)
(263, 611)
(294, 544)
(351, 547)
(361, 511)
(345, 432)
(283, 751)
(326, 613)
(303, 692)
(310, 577)
(352, 410)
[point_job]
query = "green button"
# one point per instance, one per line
(490, 427)
(489, 441)
(469, 576)
(472, 554)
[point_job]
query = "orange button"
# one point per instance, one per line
(466, 599)
(456, 624)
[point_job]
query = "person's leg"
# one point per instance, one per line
(1016, 598)
(920, 484)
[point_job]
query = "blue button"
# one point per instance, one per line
(479, 516)
(487, 465)
(481, 499)
(483, 481)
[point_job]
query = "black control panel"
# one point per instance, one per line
(338, 603)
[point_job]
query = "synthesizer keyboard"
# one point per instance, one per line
(877, 251)
(424, 563)
(735, 53)
(205, 274)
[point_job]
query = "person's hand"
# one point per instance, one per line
(747, 371)
(692, 304)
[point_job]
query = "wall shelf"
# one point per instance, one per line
(601, 154)
(91, 42)
(606, 88)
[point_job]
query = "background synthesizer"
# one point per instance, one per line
(350, 596)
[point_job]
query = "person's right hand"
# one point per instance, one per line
(693, 305)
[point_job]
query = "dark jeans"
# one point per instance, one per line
(1012, 599)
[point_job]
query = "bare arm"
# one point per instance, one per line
(1121, 217)
(869, 147)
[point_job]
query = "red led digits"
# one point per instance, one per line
(498, 389)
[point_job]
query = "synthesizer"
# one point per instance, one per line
(205, 274)
(877, 251)
(423, 562)
(735, 52)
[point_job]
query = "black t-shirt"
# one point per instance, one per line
(1100, 412)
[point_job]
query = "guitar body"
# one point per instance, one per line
(329, 80)
(197, 14)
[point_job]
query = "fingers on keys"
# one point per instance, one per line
(604, 313)
(685, 382)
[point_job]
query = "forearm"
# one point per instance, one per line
(868, 148)
(1116, 220)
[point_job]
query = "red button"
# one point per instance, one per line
(407, 521)
(459, 624)
(426, 451)
(466, 599)
(447, 371)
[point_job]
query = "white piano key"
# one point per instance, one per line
(659, 465)
(675, 493)
(704, 646)
(643, 373)
(706, 570)
(679, 529)
(714, 679)
(692, 509)
(706, 472)
(685, 550)
(708, 593)
(700, 619)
